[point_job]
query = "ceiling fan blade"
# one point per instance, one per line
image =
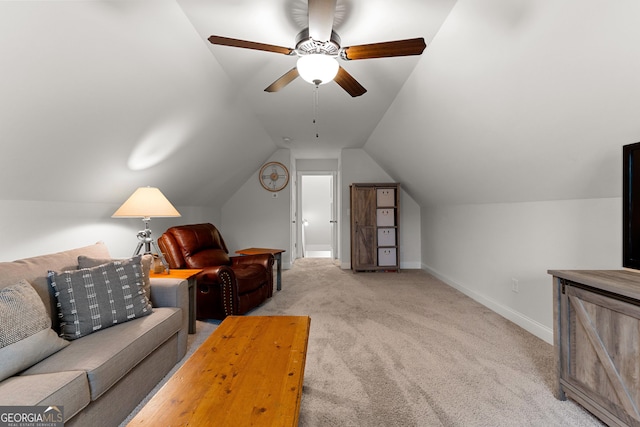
(385, 49)
(225, 41)
(348, 83)
(321, 19)
(287, 78)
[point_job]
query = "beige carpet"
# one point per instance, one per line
(389, 349)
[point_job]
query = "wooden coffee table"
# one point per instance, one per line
(249, 372)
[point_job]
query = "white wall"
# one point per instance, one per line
(480, 248)
(31, 228)
(255, 217)
(509, 134)
(357, 166)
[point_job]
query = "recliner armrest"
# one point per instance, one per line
(224, 279)
(212, 274)
(265, 260)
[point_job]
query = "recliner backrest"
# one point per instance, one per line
(194, 246)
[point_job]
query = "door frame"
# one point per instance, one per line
(335, 231)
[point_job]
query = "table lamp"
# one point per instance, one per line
(145, 203)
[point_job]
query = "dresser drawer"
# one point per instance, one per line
(386, 217)
(386, 257)
(386, 196)
(386, 236)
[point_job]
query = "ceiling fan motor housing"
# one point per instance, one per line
(306, 45)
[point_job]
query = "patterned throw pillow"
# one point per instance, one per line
(147, 259)
(90, 299)
(26, 336)
(22, 315)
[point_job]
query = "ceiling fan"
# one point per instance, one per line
(318, 47)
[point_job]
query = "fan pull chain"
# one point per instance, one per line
(316, 101)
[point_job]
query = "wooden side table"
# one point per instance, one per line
(277, 254)
(190, 276)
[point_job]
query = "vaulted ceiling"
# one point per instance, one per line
(288, 115)
(513, 100)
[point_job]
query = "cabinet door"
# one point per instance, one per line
(363, 227)
(600, 351)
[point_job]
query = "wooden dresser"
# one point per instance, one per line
(596, 320)
(374, 227)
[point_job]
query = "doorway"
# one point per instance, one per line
(317, 231)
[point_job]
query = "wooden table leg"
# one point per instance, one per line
(278, 257)
(192, 304)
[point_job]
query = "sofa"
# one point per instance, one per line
(97, 371)
(227, 285)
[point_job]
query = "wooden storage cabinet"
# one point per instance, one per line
(374, 227)
(597, 342)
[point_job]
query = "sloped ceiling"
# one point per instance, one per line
(513, 100)
(518, 101)
(98, 97)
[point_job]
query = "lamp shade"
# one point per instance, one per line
(146, 202)
(317, 68)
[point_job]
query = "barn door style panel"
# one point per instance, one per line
(374, 227)
(597, 340)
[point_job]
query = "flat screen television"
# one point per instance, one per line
(631, 206)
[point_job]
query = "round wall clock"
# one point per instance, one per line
(274, 176)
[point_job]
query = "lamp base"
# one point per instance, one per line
(145, 240)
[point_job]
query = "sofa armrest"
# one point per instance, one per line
(166, 292)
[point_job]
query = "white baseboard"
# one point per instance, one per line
(536, 328)
(410, 265)
(406, 266)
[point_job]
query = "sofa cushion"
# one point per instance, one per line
(108, 355)
(26, 336)
(34, 270)
(96, 298)
(147, 259)
(65, 388)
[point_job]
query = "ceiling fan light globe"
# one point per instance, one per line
(317, 68)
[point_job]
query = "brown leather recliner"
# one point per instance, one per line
(226, 285)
